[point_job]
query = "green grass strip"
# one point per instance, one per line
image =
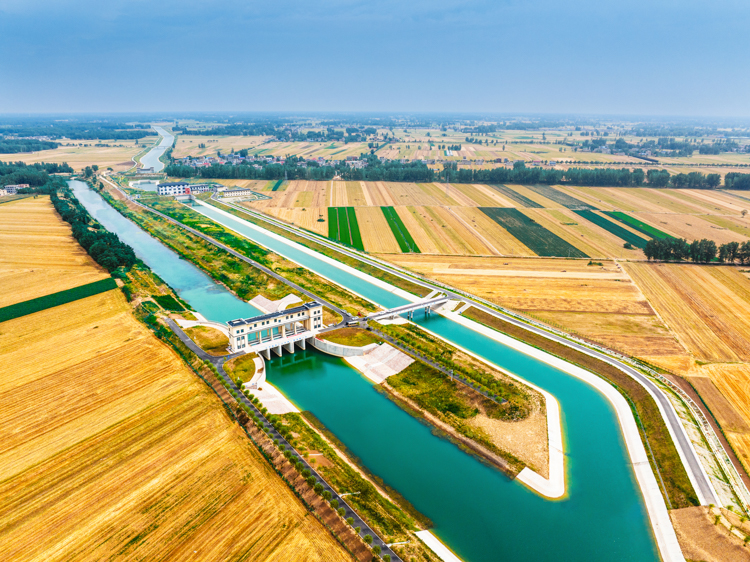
(56, 299)
(640, 226)
(532, 234)
(344, 234)
(403, 236)
(277, 185)
(333, 224)
(615, 229)
(354, 229)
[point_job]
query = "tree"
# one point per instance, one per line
(326, 495)
(376, 549)
(367, 539)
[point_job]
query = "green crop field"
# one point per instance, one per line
(559, 197)
(344, 233)
(343, 227)
(640, 226)
(277, 186)
(517, 197)
(56, 299)
(530, 233)
(333, 223)
(609, 226)
(403, 237)
(354, 229)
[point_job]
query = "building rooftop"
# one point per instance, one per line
(173, 184)
(302, 308)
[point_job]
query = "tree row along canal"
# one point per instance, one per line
(477, 511)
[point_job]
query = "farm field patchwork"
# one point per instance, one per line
(516, 197)
(540, 240)
(634, 223)
(377, 234)
(615, 229)
(560, 197)
(405, 241)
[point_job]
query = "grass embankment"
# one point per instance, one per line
(248, 280)
(517, 405)
(394, 280)
(394, 522)
(56, 299)
(355, 337)
(662, 452)
(210, 340)
(242, 367)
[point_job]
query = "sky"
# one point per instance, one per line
(626, 57)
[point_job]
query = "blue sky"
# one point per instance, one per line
(658, 57)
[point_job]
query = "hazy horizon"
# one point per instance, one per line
(670, 59)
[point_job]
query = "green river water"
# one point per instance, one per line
(477, 511)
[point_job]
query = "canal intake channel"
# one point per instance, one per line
(477, 511)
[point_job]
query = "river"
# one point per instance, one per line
(476, 510)
(151, 159)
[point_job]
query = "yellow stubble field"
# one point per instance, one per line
(118, 155)
(38, 255)
(598, 302)
(110, 448)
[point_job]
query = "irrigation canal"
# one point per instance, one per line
(477, 511)
(151, 158)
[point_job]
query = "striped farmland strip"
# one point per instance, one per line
(613, 228)
(56, 299)
(530, 233)
(344, 234)
(640, 226)
(559, 197)
(354, 229)
(277, 185)
(517, 197)
(333, 224)
(405, 241)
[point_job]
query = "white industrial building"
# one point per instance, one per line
(183, 188)
(272, 331)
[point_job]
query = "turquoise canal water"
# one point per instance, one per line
(191, 283)
(478, 512)
(151, 158)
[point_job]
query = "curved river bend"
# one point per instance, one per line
(476, 510)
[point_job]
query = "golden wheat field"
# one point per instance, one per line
(118, 155)
(599, 302)
(38, 256)
(110, 448)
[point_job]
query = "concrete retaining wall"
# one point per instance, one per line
(339, 350)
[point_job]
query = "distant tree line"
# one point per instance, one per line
(14, 146)
(36, 175)
(73, 129)
(699, 251)
(394, 170)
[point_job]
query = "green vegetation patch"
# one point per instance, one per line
(559, 197)
(537, 238)
(277, 186)
(356, 236)
(242, 367)
(168, 302)
(333, 223)
(640, 226)
(400, 232)
(345, 236)
(355, 337)
(56, 299)
(517, 197)
(613, 228)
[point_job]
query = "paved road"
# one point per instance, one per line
(693, 466)
(218, 362)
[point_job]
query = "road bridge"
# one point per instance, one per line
(427, 304)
